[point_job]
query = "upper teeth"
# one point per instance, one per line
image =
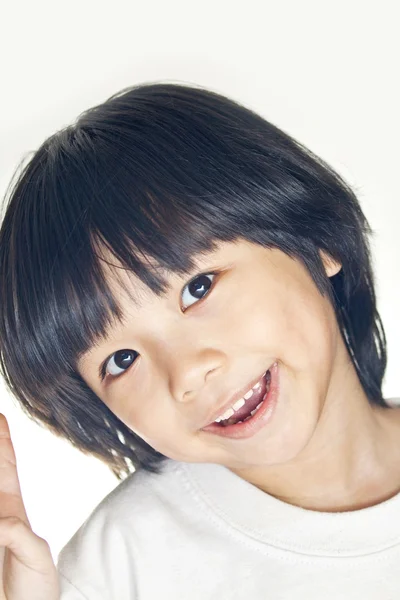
(241, 402)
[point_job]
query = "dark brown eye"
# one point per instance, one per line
(196, 289)
(120, 361)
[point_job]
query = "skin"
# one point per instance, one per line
(27, 569)
(326, 448)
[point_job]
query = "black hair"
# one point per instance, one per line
(157, 174)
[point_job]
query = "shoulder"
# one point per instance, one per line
(137, 497)
(136, 510)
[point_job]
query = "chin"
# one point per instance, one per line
(277, 449)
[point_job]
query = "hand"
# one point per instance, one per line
(25, 559)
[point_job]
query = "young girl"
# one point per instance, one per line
(187, 293)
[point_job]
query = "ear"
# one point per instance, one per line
(331, 266)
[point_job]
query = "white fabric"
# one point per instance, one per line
(198, 531)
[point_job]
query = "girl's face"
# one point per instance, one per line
(192, 353)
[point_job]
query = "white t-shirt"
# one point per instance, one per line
(198, 531)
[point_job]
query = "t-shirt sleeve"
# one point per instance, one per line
(99, 562)
(69, 591)
(102, 560)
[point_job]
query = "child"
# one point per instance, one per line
(187, 292)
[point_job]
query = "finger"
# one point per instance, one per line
(29, 570)
(11, 503)
(31, 550)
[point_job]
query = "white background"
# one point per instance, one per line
(325, 72)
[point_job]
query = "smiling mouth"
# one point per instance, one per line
(252, 412)
(249, 404)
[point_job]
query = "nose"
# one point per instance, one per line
(190, 371)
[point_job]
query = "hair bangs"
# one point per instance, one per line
(143, 184)
(76, 238)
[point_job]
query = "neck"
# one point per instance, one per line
(352, 460)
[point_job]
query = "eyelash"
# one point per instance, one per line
(104, 364)
(212, 274)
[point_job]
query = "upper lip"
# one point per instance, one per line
(222, 409)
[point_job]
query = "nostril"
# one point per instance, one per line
(210, 372)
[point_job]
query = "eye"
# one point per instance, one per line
(117, 363)
(196, 289)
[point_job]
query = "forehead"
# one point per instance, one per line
(128, 288)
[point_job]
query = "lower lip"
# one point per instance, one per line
(258, 420)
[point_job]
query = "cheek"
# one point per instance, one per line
(168, 439)
(157, 428)
(288, 319)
